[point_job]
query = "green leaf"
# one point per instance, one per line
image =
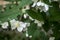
(46, 1)
(55, 12)
(39, 35)
(56, 28)
(12, 10)
(23, 3)
(9, 14)
(35, 15)
(32, 28)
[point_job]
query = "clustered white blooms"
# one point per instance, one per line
(42, 6)
(19, 25)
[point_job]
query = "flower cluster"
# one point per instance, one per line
(19, 25)
(42, 6)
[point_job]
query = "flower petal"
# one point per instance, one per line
(46, 8)
(20, 29)
(40, 3)
(22, 24)
(14, 24)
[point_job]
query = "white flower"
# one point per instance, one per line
(40, 3)
(46, 8)
(19, 25)
(13, 24)
(4, 25)
(42, 6)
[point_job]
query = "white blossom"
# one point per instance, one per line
(21, 26)
(40, 3)
(42, 6)
(46, 8)
(5, 25)
(13, 24)
(18, 24)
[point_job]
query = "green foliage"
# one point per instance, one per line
(55, 11)
(39, 35)
(31, 30)
(11, 11)
(35, 14)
